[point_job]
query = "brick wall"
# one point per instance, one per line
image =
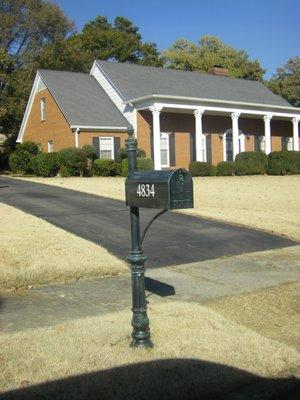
(55, 127)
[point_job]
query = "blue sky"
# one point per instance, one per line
(268, 30)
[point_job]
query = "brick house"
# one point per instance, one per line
(178, 116)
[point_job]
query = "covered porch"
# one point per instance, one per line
(180, 133)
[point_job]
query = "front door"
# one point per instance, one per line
(229, 150)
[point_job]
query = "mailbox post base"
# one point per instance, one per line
(140, 321)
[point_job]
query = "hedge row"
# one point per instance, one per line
(27, 159)
(252, 163)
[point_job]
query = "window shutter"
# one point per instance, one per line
(172, 154)
(96, 145)
(192, 147)
(116, 148)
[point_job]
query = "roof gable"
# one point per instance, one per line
(82, 100)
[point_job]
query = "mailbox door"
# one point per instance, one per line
(181, 190)
(147, 194)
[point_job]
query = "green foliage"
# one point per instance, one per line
(286, 81)
(283, 162)
(90, 151)
(47, 164)
(198, 168)
(225, 168)
(213, 170)
(20, 160)
(118, 168)
(143, 164)
(104, 167)
(72, 162)
(211, 51)
(251, 163)
(123, 153)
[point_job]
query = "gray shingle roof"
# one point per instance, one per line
(82, 100)
(134, 81)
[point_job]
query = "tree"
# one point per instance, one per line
(208, 52)
(286, 81)
(25, 25)
(27, 29)
(120, 41)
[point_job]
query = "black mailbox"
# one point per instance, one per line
(168, 189)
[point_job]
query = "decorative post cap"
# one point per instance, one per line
(130, 131)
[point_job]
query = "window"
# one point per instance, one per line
(43, 109)
(50, 146)
(260, 143)
(164, 149)
(106, 147)
(287, 143)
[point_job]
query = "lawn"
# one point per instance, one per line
(33, 252)
(197, 351)
(270, 203)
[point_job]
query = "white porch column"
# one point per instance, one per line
(267, 120)
(198, 134)
(296, 133)
(156, 109)
(235, 134)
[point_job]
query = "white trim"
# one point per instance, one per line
(113, 93)
(112, 145)
(99, 128)
(161, 96)
(295, 122)
(34, 89)
(165, 135)
(92, 72)
(225, 110)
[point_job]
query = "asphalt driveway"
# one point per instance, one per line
(173, 239)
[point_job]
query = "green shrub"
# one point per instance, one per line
(65, 172)
(72, 161)
(20, 160)
(118, 168)
(123, 153)
(213, 170)
(47, 164)
(104, 167)
(225, 168)
(34, 165)
(90, 151)
(143, 164)
(283, 162)
(199, 168)
(251, 163)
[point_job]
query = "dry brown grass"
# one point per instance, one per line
(33, 252)
(180, 331)
(269, 203)
(273, 312)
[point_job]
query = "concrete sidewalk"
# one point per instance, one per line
(198, 282)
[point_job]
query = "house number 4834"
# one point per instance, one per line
(145, 190)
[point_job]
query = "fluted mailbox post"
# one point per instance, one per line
(164, 190)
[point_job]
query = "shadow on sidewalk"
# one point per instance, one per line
(163, 380)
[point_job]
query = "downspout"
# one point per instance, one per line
(77, 137)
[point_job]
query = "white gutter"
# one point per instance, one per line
(99, 128)
(170, 97)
